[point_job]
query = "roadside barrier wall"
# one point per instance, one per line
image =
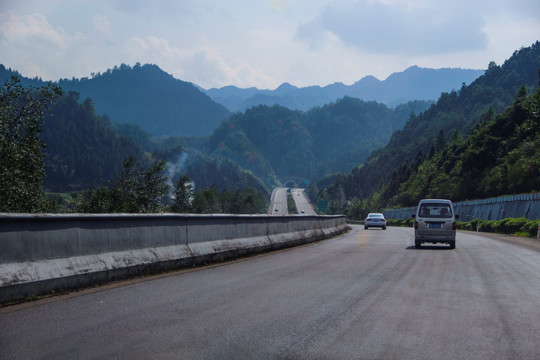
(45, 253)
(513, 206)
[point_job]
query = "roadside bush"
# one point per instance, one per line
(475, 224)
(531, 227)
(461, 225)
(487, 226)
(400, 222)
(512, 226)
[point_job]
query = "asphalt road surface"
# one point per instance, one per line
(368, 294)
(278, 202)
(303, 206)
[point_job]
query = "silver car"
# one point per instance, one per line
(435, 222)
(375, 220)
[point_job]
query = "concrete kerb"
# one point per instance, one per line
(44, 253)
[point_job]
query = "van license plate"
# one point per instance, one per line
(435, 226)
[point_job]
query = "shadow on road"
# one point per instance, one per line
(430, 247)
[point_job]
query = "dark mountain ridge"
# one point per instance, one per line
(414, 83)
(275, 142)
(145, 96)
(154, 100)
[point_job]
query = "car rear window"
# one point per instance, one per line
(435, 210)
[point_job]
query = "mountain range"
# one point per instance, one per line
(414, 83)
(273, 142)
(146, 96)
(500, 123)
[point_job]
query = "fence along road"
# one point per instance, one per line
(512, 206)
(367, 294)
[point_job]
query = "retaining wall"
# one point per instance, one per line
(44, 253)
(513, 206)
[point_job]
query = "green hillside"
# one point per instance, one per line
(427, 133)
(81, 149)
(501, 155)
(149, 97)
(278, 143)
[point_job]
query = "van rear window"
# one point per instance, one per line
(435, 210)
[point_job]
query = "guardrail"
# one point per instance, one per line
(48, 252)
(523, 205)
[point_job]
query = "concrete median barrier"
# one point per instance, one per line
(43, 253)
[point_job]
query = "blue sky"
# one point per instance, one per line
(262, 43)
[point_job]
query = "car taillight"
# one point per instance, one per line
(416, 225)
(454, 226)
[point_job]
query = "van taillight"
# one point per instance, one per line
(454, 226)
(416, 225)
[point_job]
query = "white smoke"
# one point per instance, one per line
(174, 168)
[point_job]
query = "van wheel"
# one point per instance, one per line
(384, 227)
(417, 244)
(365, 227)
(452, 245)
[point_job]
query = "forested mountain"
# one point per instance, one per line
(276, 142)
(144, 96)
(266, 145)
(501, 155)
(272, 143)
(412, 84)
(84, 149)
(428, 132)
(223, 174)
(149, 97)
(81, 149)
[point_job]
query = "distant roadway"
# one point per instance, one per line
(303, 206)
(278, 202)
(368, 294)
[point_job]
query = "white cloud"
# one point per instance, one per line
(103, 25)
(33, 46)
(398, 28)
(205, 67)
(31, 28)
(262, 43)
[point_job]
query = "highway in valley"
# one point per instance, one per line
(278, 202)
(368, 294)
(302, 203)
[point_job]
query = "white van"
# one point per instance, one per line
(435, 222)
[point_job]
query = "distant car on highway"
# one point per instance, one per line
(375, 220)
(435, 222)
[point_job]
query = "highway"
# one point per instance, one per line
(368, 294)
(278, 202)
(302, 203)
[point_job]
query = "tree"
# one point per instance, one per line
(21, 150)
(135, 190)
(248, 201)
(183, 195)
(207, 201)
